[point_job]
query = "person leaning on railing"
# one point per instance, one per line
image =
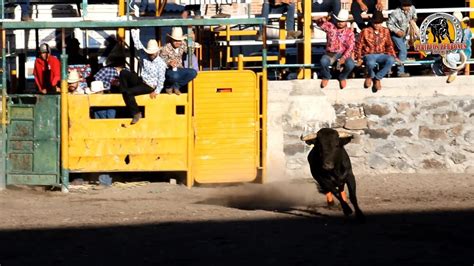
(399, 23)
(339, 48)
(280, 7)
(47, 71)
(374, 47)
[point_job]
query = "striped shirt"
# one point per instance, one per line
(340, 41)
(153, 72)
(371, 42)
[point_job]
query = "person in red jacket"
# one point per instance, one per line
(47, 71)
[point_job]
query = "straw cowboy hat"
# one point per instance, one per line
(73, 77)
(152, 47)
(342, 16)
(177, 34)
(97, 86)
(458, 15)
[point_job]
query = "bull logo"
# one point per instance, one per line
(440, 33)
(440, 30)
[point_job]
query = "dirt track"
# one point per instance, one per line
(412, 220)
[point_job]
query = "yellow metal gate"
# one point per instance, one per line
(226, 127)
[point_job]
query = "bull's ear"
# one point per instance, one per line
(345, 140)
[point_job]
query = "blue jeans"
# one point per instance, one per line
(25, 7)
(384, 61)
(179, 78)
(280, 9)
(328, 60)
(143, 5)
(402, 51)
(104, 114)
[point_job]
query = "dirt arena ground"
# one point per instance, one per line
(411, 220)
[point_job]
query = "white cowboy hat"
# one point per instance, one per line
(463, 59)
(177, 34)
(73, 77)
(97, 86)
(342, 16)
(457, 15)
(152, 47)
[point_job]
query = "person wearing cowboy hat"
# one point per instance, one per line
(47, 71)
(153, 67)
(398, 23)
(177, 76)
(374, 47)
(74, 84)
(339, 47)
(451, 59)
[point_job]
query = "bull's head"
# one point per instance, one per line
(329, 145)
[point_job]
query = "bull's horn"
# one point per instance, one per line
(343, 134)
(310, 136)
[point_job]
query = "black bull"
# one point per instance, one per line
(439, 29)
(331, 167)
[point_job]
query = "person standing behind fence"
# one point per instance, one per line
(398, 23)
(374, 47)
(47, 71)
(177, 76)
(339, 47)
(280, 7)
(364, 6)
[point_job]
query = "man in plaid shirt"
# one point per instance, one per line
(398, 23)
(374, 47)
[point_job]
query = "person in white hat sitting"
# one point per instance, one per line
(153, 67)
(177, 76)
(339, 47)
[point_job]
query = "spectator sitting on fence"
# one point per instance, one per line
(280, 7)
(153, 68)
(374, 47)
(364, 6)
(339, 48)
(47, 71)
(451, 59)
(177, 76)
(194, 59)
(398, 23)
(331, 6)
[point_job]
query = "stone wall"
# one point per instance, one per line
(412, 125)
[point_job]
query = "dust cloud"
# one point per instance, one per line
(272, 196)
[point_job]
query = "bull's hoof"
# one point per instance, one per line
(331, 204)
(347, 210)
(360, 217)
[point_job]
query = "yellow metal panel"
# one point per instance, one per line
(158, 142)
(226, 125)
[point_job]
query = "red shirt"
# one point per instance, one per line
(47, 73)
(338, 40)
(371, 43)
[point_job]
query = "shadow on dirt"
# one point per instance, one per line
(431, 238)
